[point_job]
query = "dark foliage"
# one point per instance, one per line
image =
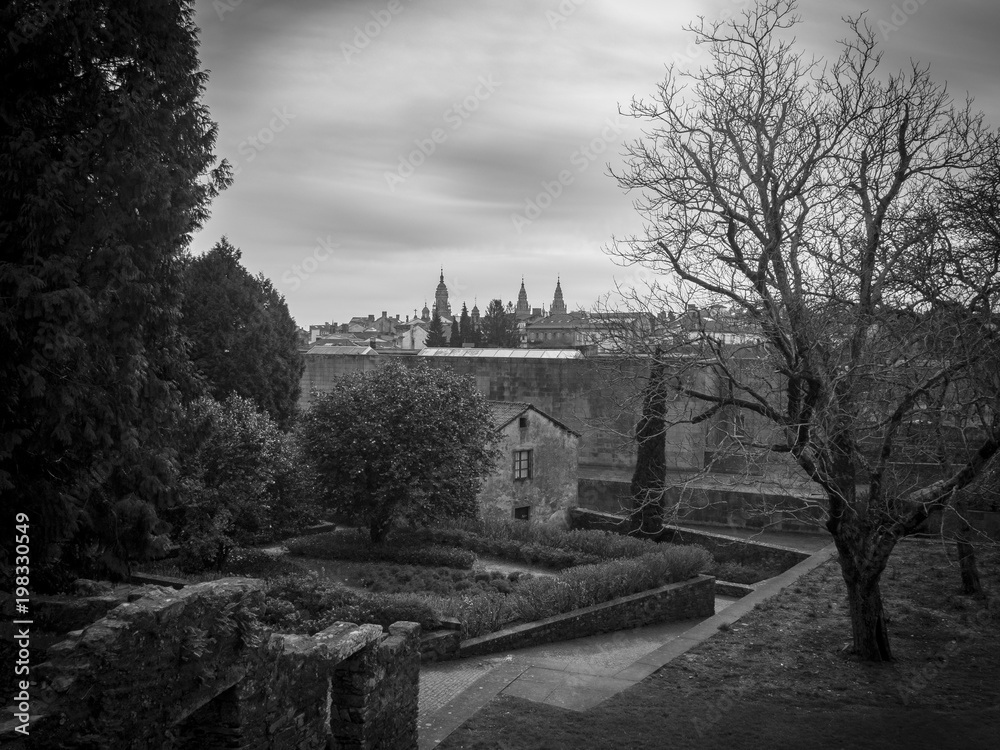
(243, 339)
(106, 167)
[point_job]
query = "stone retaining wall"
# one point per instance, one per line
(743, 551)
(676, 601)
(196, 668)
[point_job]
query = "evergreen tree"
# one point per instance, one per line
(435, 334)
(242, 337)
(465, 324)
(500, 326)
(106, 167)
(455, 338)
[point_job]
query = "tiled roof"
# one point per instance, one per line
(505, 412)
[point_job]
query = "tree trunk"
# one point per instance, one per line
(967, 564)
(863, 555)
(868, 626)
(650, 476)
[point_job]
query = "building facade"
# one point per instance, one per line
(537, 473)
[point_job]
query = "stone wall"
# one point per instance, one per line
(196, 669)
(743, 551)
(596, 397)
(676, 601)
(553, 482)
(731, 503)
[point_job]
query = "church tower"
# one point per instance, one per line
(475, 316)
(441, 305)
(522, 310)
(425, 314)
(558, 306)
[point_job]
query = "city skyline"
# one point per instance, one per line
(375, 142)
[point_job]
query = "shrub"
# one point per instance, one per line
(537, 597)
(303, 604)
(351, 545)
(735, 572)
(241, 482)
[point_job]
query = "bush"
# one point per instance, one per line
(355, 546)
(735, 572)
(241, 482)
(302, 604)
(537, 597)
(540, 543)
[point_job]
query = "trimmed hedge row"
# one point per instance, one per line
(304, 604)
(354, 547)
(583, 586)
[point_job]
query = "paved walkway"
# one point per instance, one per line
(581, 673)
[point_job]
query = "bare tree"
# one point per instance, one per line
(808, 199)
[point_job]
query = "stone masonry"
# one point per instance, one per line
(195, 668)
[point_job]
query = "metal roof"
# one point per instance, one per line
(335, 349)
(502, 353)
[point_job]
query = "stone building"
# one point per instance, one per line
(537, 474)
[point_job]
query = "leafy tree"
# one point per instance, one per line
(242, 481)
(401, 444)
(435, 334)
(243, 339)
(106, 167)
(811, 200)
(500, 326)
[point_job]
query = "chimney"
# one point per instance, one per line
(371, 318)
(384, 315)
(371, 343)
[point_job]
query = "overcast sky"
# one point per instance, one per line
(378, 140)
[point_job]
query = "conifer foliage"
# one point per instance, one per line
(106, 167)
(243, 339)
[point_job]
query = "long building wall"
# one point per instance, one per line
(595, 397)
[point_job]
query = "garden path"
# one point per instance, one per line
(576, 674)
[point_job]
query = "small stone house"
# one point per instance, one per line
(537, 474)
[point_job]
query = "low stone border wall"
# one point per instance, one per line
(675, 601)
(743, 551)
(738, 590)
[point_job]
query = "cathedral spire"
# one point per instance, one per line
(558, 305)
(441, 304)
(522, 307)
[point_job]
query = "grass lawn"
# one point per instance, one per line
(780, 677)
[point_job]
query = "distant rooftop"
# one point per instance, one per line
(502, 353)
(340, 349)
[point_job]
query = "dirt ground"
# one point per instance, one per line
(783, 676)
